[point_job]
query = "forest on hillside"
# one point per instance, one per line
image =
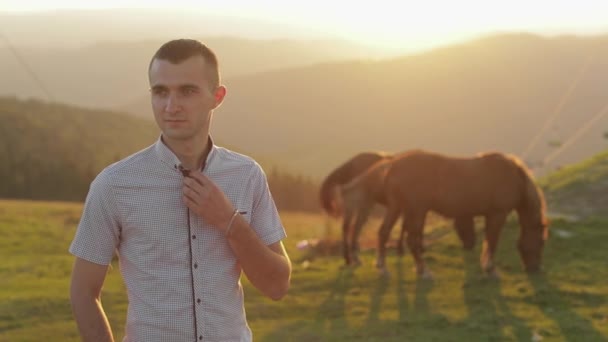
(54, 151)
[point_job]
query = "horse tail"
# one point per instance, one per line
(344, 174)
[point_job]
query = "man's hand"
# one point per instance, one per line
(207, 200)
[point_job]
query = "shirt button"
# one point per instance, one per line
(198, 300)
(193, 237)
(195, 265)
(200, 337)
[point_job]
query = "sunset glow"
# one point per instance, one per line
(385, 23)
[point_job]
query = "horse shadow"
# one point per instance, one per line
(411, 305)
(331, 311)
(489, 309)
(403, 308)
(555, 305)
(489, 313)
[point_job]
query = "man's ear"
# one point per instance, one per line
(219, 95)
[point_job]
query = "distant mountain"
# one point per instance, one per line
(494, 93)
(70, 28)
(112, 74)
(99, 58)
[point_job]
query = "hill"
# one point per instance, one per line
(53, 151)
(579, 190)
(110, 74)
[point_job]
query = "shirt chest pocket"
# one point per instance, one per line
(149, 220)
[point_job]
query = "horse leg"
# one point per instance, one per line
(392, 214)
(362, 217)
(415, 229)
(494, 224)
(466, 231)
(345, 232)
(401, 240)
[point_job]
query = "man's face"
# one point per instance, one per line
(183, 98)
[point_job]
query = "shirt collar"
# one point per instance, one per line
(169, 158)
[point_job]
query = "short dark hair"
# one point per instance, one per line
(178, 50)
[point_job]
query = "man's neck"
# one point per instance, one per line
(191, 153)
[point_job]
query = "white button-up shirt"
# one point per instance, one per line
(182, 278)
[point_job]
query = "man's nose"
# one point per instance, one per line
(173, 104)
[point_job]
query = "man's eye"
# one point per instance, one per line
(188, 91)
(159, 92)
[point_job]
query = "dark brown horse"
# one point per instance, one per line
(330, 188)
(490, 185)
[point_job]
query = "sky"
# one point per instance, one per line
(384, 22)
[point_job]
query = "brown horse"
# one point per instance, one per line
(367, 189)
(491, 185)
(344, 174)
(359, 197)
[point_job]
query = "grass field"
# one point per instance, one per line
(569, 302)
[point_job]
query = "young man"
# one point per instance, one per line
(184, 216)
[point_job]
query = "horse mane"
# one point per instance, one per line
(532, 197)
(373, 176)
(344, 174)
(366, 187)
(377, 169)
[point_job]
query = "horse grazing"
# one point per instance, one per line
(340, 176)
(360, 195)
(490, 185)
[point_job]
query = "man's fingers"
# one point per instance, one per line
(188, 202)
(189, 181)
(199, 177)
(190, 192)
(193, 184)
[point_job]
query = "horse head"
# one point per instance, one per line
(534, 233)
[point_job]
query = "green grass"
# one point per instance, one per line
(328, 303)
(575, 176)
(580, 189)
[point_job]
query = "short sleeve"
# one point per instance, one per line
(98, 233)
(265, 219)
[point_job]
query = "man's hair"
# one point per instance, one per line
(178, 50)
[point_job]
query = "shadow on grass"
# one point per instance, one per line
(401, 309)
(559, 306)
(489, 315)
(330, 319)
